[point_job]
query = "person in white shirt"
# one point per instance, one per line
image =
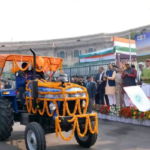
(145, 76)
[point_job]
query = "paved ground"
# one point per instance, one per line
(112, 136)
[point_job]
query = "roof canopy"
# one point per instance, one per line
(52, 63)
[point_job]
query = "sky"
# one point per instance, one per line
(31, 20)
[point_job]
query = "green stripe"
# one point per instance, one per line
(109, 51)
(104, 62)
(124, 49)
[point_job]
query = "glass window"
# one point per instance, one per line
(90, 50)
(57, 54)
(72, 54)
(62, 54)
(76, 53)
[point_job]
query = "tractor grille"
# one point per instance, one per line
(71, 105)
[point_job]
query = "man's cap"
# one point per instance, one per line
(39, 61)
(140, 63)
(147, 60)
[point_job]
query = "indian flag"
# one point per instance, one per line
(121, 45)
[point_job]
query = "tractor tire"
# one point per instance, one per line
(6, 119)
(35, 137)
(89, 139)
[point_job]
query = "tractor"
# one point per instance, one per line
(44, 106)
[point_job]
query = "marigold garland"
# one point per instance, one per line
(65, 100)
(75, 122)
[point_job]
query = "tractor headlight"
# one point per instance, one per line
(82, 94)
(83, 103)
(76, 95)
(52, 106)
(6, 93)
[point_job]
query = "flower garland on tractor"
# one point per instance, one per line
(64, 99)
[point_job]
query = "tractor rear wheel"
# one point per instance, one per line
(88, 140)
(35, 137)
(6, 119)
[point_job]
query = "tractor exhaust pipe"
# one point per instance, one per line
(34, 63)
(34, 83)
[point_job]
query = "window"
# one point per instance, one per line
(72, 54)
(57, 54)
(62, 54)
(90, 50)
(76, 53)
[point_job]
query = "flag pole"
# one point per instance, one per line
(130, 46)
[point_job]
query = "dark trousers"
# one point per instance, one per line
(101, 96)
(107, 100)
(97, 98)
(22, 90)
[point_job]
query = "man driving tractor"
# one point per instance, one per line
(28, 75)
(39, 66)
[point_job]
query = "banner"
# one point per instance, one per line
(142, 46)
(138, 98)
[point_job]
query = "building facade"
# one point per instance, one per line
(68, 48)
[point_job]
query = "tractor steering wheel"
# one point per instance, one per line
(31, 76)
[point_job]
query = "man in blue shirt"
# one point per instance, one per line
(91, 89)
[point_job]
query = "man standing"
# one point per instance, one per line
(145, 76)
(139, 72)
(81, 81)
(76, 79)
(110, 84)
(93, 80)
(91, 89)
(128, 77)
(100, 85)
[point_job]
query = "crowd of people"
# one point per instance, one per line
(106, 88)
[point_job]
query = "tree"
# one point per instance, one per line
(132, 35)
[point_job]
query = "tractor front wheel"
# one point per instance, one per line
(35, 137)
(88, 140)
(6, 119)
